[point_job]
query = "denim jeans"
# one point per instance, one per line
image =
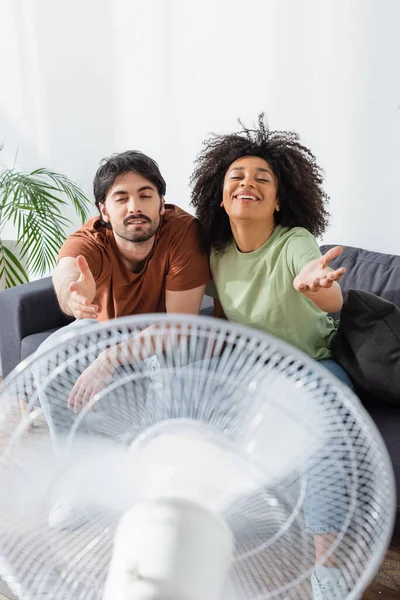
(336, 370)
(325, 504)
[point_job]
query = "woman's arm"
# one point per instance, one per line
(319, 283)
(327, 299)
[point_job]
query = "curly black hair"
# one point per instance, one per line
(302, 201)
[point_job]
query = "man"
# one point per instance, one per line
(138, 256)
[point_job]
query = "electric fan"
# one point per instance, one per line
(203, 467)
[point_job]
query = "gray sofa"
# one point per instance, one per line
(380, 274)
(29, 313)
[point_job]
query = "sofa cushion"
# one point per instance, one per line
(31, 343)
(370, 271)
(387, 419)
(367, 344)
(207, 306)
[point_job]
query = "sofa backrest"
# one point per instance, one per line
(369, 271)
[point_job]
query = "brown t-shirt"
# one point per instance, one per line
(175, 263)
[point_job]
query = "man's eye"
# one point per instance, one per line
(122, 199)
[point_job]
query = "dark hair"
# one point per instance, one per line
(301, 197)
(118, 164)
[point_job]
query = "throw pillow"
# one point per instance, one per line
(367, 344)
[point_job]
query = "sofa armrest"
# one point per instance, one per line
(26, 309)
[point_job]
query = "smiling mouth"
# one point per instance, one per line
(137, 222)
(246, 197)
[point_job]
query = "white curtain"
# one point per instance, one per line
(83, 79)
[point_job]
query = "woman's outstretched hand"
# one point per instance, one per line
(316, 275)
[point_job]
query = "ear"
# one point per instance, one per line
(104, 213)
(277, 207)
(222, 204)
(162, 206)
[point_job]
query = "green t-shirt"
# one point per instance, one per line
(256, 289)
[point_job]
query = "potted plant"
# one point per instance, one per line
(34, 203)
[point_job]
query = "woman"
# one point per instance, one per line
(259, 198)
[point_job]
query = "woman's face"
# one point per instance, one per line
(250, 190)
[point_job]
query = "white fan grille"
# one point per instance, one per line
(288, 417)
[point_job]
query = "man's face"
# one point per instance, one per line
(133, 208)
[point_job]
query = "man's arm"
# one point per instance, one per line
(75, 287)
(145, 344)
(185, 302)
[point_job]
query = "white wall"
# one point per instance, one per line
(85, 78)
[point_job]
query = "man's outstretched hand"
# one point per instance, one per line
(82, 292)
(92, 381)
(316, 274)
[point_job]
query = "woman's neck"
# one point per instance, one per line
(250, 236)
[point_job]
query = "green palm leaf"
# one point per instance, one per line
(11, 268)
(74, 194)
(34, 203)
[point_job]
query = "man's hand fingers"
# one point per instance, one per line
(82, 394)
(76, 394)
(83, 267)
(84, 314)
(81, 311)
(81, 307)
(81, 397)
(74, 286)
(77, 404)
(77, 297)
(73, 393)
(85, 398)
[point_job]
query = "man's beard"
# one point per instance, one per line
(145, 233)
